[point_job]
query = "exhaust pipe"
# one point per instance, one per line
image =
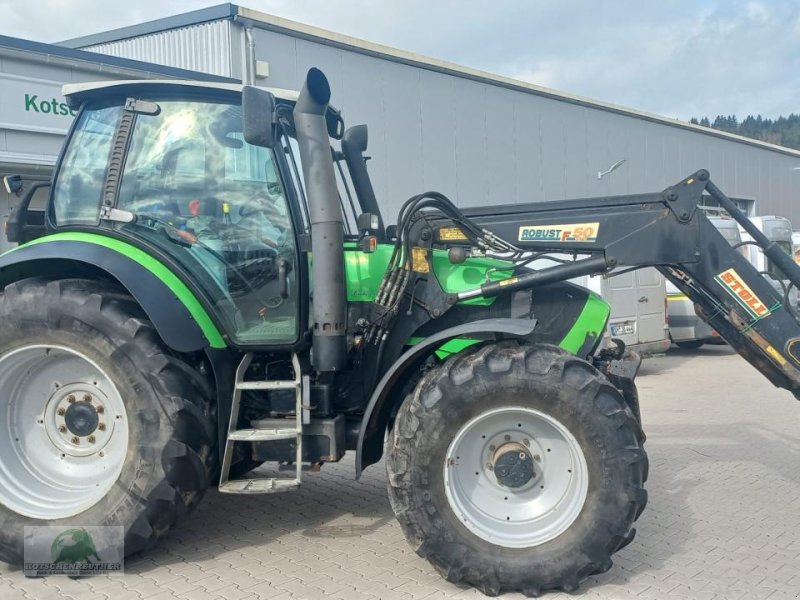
(327, 237)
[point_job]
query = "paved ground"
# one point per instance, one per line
(723, 519)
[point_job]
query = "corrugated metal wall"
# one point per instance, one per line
(481, 143)
(205, 47)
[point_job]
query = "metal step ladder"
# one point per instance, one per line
(273, 431)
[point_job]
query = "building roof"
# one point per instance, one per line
(113, 64)
(194, 17)
(269, 22)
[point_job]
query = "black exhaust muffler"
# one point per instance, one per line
(327, 236)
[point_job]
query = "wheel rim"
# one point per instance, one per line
(501, 498)
(66, 432)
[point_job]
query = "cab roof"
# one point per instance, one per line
(77, 93)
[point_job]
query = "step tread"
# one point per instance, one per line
(267, 385)
(263, 434)
(266, 485)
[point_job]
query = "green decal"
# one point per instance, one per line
(176, 286)
(591, 321)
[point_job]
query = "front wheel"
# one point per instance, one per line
(101, 424)
(516, 468)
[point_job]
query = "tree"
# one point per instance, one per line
(783, 131)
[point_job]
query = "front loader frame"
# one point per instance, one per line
(667, 231)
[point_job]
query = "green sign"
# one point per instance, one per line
(51, 106)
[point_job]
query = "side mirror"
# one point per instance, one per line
(258, 109)
(13, 184)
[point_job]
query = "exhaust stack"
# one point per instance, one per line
(327, 237)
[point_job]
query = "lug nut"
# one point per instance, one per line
(87, 398)
(61, 412)
(75, 440)
(492, 448)
(507, 438)
(490, 466)
(91, 439)
(71, 398)
(100, 410)
(101, 426)
(526, 441)
(63, 429)
(537, 458)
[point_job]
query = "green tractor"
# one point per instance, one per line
(192, 303)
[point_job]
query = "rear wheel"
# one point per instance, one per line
(105, 425)
(516, 468)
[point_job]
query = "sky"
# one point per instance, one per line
(677, 58)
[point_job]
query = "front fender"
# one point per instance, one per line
(376, 417)
(177, 315)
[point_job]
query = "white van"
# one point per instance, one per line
(686, 329)
(638, 302)
(778, 230)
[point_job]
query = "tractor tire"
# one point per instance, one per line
(106, 425)
(690, 344)
(516, 468)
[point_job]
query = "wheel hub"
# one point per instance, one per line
(76, 420)
(515, 476)
(513, 465)
(81, 419)
(64, 433)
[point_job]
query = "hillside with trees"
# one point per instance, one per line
(784, 131)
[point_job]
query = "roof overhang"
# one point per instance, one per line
(78, 93)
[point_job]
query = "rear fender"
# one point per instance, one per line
(175, 312)
(378, 413)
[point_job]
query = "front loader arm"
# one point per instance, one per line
(669, 232)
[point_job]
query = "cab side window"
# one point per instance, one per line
(79, 185)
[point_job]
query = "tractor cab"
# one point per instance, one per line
(166, 165)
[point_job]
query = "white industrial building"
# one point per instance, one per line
(472, 135)
(475, 136)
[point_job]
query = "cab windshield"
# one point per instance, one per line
(202, 195)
